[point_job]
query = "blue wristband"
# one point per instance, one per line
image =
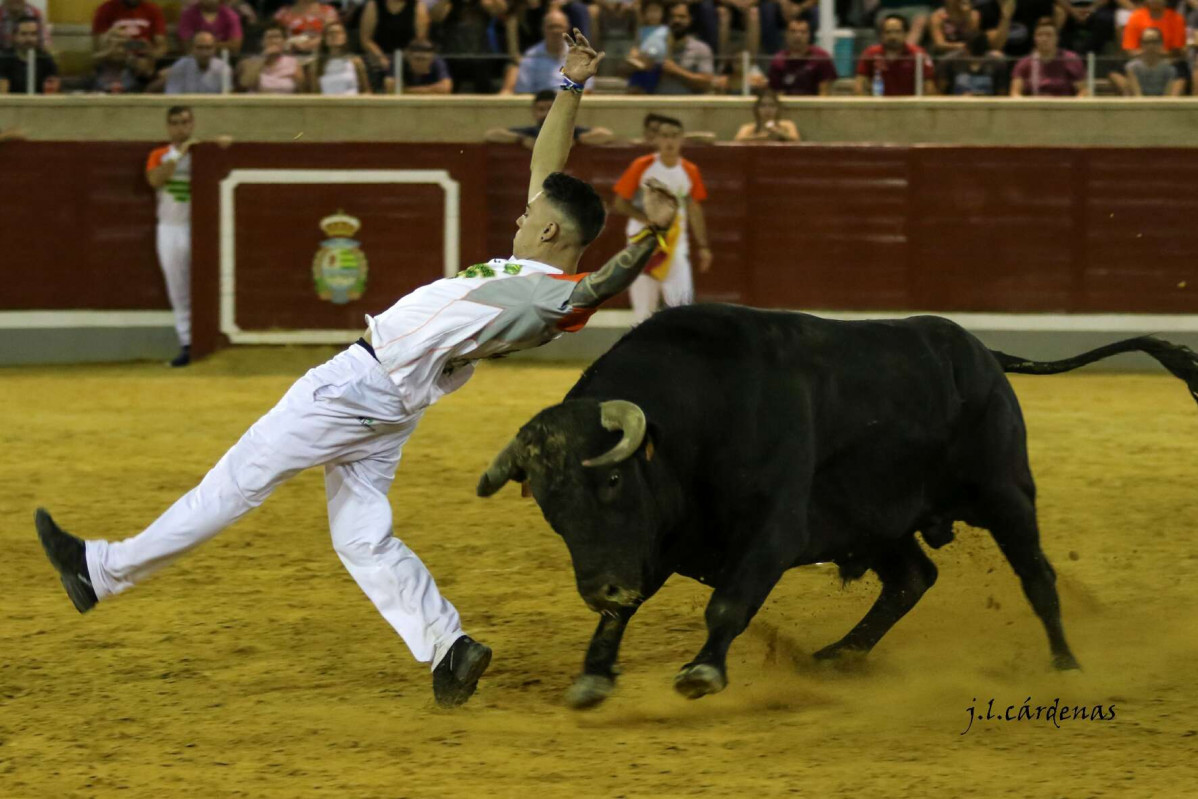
(569, 85)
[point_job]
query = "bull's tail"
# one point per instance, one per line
(1178, 359)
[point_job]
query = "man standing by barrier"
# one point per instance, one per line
(354, 413)
(168, 171)
(668, 275)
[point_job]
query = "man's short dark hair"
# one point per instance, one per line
(664, 120)
(175, 110)
(978, 45)
(420, 46)
(902, 20)
(28, 19)
(579, 201)
(800, 21)
(543, 95)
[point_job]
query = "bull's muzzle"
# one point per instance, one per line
(604, 596)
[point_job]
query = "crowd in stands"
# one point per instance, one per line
(663, 47)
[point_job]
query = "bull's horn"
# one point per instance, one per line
(502, 469)
(620, 415)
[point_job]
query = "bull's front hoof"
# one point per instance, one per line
(1066, 662)
(841, 653)
(589, 690)
(699, 680)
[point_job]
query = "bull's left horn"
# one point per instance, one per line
(502, 469)
(627, 417)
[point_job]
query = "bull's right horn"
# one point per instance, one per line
(502, 469)
(624, 416)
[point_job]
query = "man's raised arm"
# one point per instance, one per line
(557, 134)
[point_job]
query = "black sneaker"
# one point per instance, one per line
(183, 358)
(67, 556)
(456, 676)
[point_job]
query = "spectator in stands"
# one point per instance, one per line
(741, 15)
(423, 71)
(130, 26)
(125, 65)
(915, 15)
(689, 65)
(465, 41)
(14, 64)
(802, 68)
(216, 18)
(540, 66)
(613, 15)
(305, 21)
(889, 68)
(1150, 74)
(337, 71)
(955, 24)
(1022, 23)
(12, 12)
(1154, 14)
(272, 72)
(390, 25)
(1049, 71)
(644, 59)
(527, 135)
(524, 22)
(767, 127)
(1090, 26)
(199, 73)
(976, 71)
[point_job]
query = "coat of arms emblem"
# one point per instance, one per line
(339, 268)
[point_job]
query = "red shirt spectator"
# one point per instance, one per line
(211, 16)
(1057, 77)
(801, 68)
(898, 74)
(138, 19)
(305, 21)
(1154, 15)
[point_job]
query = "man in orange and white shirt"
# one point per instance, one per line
(168, 171)
(353, 414)
(668, 274)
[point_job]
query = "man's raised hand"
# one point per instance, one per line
(660, 204)
(582, 62)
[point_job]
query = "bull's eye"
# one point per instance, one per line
(613, 479)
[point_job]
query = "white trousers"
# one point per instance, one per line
(174, 256)
(646, 293)
(344, 415)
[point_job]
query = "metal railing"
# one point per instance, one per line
(951, 75)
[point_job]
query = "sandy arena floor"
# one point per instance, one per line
(256, 667)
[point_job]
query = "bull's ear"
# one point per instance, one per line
(502, 469)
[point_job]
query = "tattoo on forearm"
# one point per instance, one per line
(614, 276)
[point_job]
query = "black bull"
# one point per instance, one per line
(729, 444)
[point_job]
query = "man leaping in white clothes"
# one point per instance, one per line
(353, 414)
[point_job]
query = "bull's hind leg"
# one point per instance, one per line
(598, 678)
(1010, 516)
(906, 573)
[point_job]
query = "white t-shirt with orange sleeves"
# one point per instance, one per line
(174, 198)
(683, 179)
(429, 340)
